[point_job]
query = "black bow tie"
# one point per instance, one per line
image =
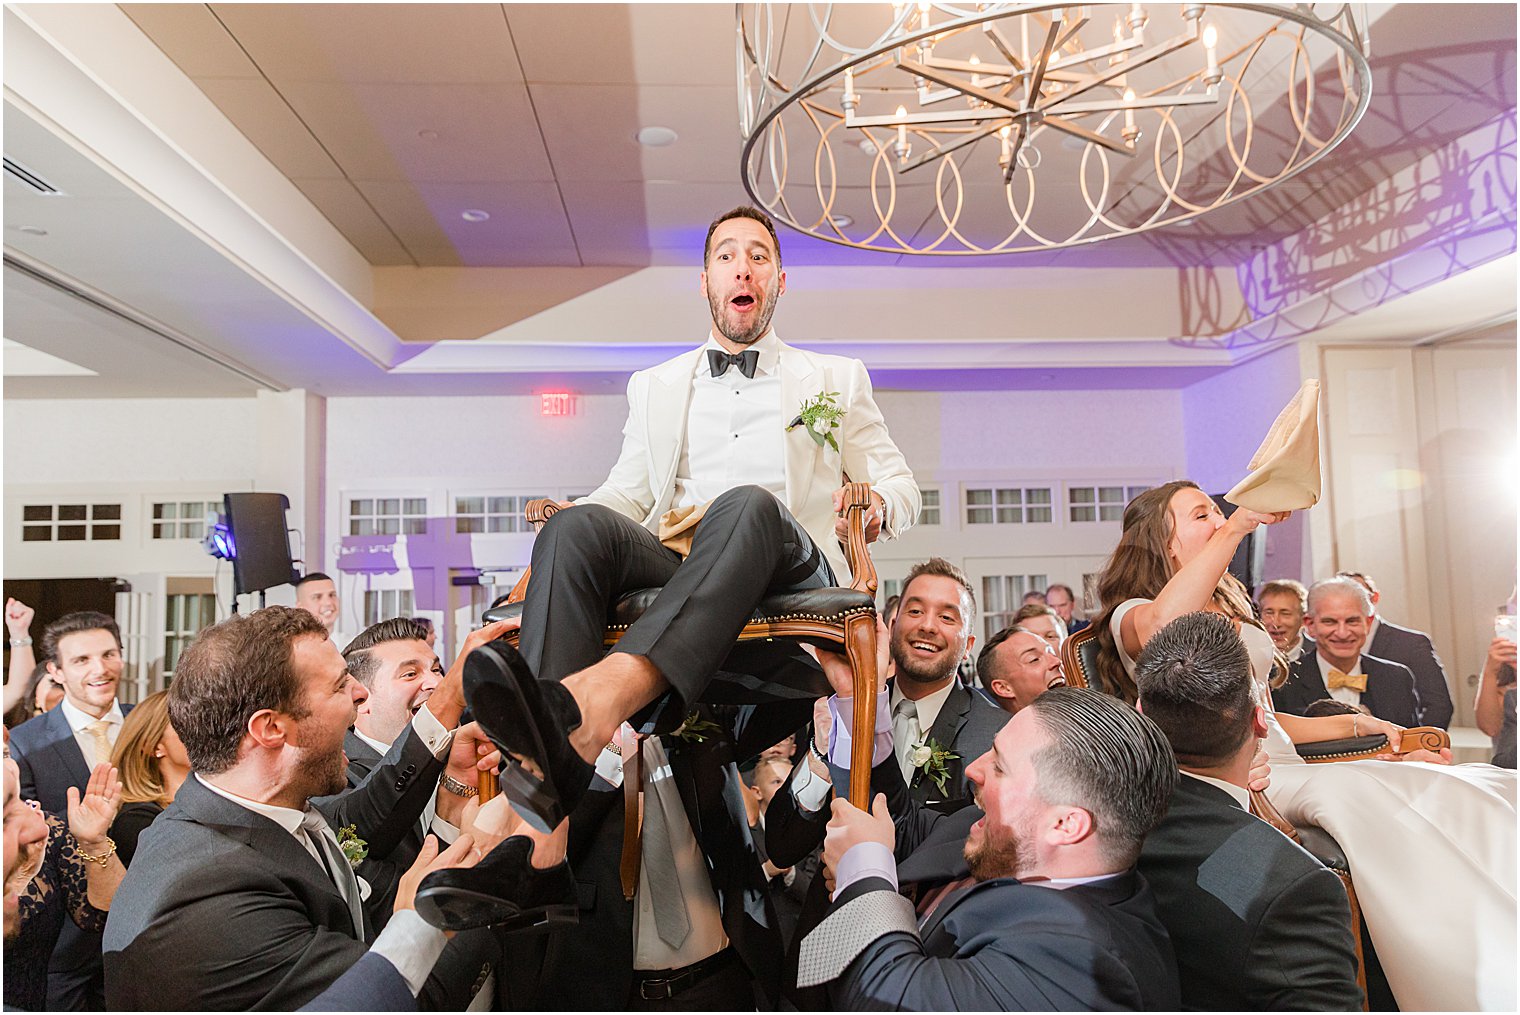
(720, 361)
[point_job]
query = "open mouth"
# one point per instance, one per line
(924, 647)
(742, 302)
(1057, 681)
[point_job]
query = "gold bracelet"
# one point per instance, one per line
(103, 858)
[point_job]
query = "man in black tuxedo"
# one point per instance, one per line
(621, 955)
(1414, 650)
(239, 896)
(1018, 666)
(1054, 917)
(1339, 613)
(1258, 923)
(59, 749)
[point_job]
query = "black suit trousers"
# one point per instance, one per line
(747, 546)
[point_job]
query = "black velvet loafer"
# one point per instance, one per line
(532, 719)
(503, 890)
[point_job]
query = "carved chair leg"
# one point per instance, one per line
(1356, 935)
(860, 648)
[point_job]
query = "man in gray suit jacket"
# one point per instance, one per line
(240, 896)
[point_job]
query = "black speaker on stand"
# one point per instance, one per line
(260, 541)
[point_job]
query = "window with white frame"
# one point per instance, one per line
(184, 616)
(43, 523)
(383, 604)
(182, 519)
(1003, 594)
(491, 513)
(1100, 503)
(1008, 505)
(886, 590)
(387, 516)
(928, 513)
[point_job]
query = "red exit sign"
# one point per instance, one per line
(556, 403)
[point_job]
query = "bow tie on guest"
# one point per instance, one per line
(719, 361)
(1356, 682)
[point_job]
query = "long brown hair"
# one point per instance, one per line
(142, 781)
(1139, 568)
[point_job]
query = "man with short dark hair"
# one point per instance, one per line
(240, 896)
(1410, 648)
(1054, 915)
(1063, 600)
(59, 749)
(1018, 666)
(317, 594)
(741, 446)
(1258, 923)
(1340, 611)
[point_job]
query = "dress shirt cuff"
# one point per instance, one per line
(839, 735)
(437, 739)
(446, 832)
(808, 790)
(610, 767)
(412, 945)
(865, 860)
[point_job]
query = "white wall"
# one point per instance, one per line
(443, 448)
(1225, 419)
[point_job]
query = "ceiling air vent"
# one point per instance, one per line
(19, 172)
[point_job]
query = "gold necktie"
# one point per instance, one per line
(1357, 682)
(99, 731)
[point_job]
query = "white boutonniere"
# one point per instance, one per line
(354, 848)
(821, 415)
(933, 759)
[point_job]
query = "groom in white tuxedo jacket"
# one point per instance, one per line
(712, 427)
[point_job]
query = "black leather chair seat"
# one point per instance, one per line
(826, 606)
(1323, 848)
(1349, 747)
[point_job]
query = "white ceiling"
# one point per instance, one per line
(269, 195)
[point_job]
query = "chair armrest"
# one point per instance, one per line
(1356, 748)
(857, 501)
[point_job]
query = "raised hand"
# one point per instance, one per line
(90, 816)
(872, 519)
(18, 617)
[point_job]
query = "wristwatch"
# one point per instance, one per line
(456, 787)
(20, 642)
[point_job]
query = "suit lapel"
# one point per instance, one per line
(269, 840)
(800, 380)
(668, 402)
(67, 748)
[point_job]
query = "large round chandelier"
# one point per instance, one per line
(968, 129)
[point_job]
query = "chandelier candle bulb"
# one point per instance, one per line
(902, 129)
(1210, 41)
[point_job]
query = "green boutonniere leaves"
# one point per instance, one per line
(821, 415)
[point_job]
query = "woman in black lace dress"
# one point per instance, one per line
(75, 879)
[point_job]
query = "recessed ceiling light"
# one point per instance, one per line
(474, 215)
(843, 221)
(656, 137)
(428, 135)
(33, 230)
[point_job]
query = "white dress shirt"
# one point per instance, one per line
(408, 942)
(735, 433)
(1239, 794)
(1349, 695)
(79, 719)
(707, 936)
(929, 708)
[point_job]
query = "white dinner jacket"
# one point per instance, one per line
(642, 483)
